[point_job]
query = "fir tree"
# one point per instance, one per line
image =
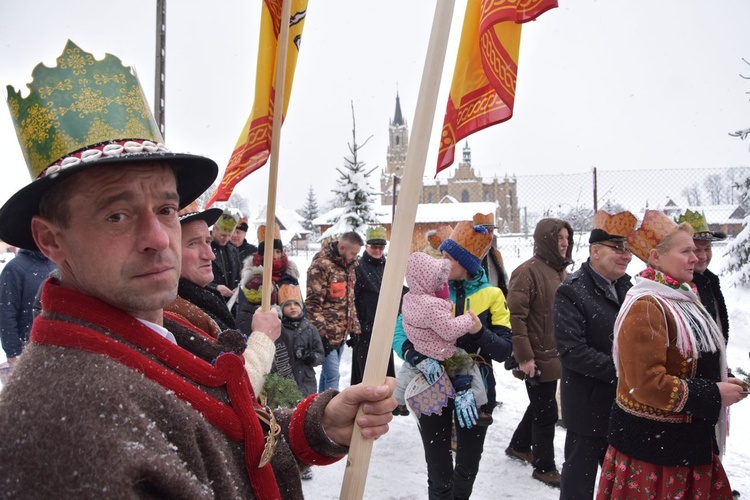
(310, 211)
(737, 263)
(354, 192)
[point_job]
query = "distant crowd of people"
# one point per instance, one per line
(139, 348)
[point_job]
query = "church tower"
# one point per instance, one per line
(398, 145)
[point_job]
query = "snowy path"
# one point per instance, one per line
(398, 470)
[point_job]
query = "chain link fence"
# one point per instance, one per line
(576, 197)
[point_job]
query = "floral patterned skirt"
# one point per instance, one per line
(627, 478)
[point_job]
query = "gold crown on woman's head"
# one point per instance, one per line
(655, 226)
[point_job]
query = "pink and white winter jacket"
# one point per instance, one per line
(428, 320)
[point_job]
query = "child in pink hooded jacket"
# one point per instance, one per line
(428, 319)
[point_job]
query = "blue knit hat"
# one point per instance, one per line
(468, 245)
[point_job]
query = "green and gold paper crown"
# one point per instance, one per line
(227, 221)
(79, 103)
(695, 219)
(376, 234)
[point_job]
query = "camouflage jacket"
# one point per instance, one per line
(330, 295)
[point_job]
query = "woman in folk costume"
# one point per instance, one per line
(668, 424)
(284, 271)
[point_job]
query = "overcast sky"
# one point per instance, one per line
(616, 85)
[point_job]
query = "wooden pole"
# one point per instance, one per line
(273, 172)
(406, 211)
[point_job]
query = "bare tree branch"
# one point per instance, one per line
(748, 63)
(742, 134)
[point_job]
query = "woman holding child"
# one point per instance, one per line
(490, 341)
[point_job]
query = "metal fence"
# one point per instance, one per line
(576, 197)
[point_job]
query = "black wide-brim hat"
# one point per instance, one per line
(210, 216)
(710, 236)
(194, 174)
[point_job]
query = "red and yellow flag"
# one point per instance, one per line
(254, 145)
(484, 79)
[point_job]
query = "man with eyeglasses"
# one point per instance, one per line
(584, 313)
(366, 292)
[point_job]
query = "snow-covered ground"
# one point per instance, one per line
(397, 467)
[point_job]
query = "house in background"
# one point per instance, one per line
(294, 237)
(727, 219)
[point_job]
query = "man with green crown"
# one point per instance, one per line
(369, 277)
(707, 283)
(112, 398)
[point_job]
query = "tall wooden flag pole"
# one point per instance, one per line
(403, 226)
(273, 173)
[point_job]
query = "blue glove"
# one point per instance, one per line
(466, 405)
(431, 369)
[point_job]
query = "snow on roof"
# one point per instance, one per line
(289, 223)
(715, 214)
(448, 199)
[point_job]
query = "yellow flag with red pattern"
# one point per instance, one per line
(254, 144)
(484, 79)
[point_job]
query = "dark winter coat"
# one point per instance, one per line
(495, 269)
(19, 284)
(106, 430)
(584, 317)
(207, 300)
(330, 295)
(246, 250)
(709, 290)
(301, 338)
(226, 266)
(531, 295)
(369, 275)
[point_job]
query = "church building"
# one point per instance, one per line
(464, 186)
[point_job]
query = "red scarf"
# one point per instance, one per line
(238, 420)
(278, 268)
